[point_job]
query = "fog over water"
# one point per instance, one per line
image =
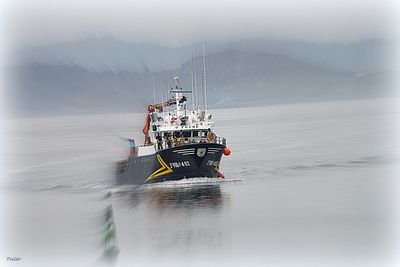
(305, 183)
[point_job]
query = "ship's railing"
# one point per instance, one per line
(145, 145)
(190, 140)
(220, 140)
(139, 150)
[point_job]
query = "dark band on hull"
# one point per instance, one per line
(188, 161)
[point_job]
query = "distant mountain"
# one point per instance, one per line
(115, 55)
(234, 78)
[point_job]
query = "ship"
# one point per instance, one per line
(179, 143)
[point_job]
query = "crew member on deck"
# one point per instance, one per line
(169, 140)
(182, 141)
(175, 138)
(159, 142)
(210, 136)
(179, 138)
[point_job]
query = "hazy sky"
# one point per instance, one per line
(176, 22)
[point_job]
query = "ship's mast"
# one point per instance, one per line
(192, 76)
(154, 92)
(195, 85)
(177, 95)
(161, 88)
(205, 82)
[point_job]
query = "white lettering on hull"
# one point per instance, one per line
(212, 163)
(179, 164)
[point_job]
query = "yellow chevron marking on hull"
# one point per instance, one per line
(164, 169)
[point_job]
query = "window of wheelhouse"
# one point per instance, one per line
(187, 134)
(198, 134)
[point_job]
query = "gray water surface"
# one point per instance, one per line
(305, 184)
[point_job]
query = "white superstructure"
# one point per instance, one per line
(176, 117)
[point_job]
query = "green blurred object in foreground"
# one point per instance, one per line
(110, 242)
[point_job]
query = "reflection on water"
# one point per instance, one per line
(174, 197)
(170, 218)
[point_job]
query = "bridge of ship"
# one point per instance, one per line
(191, 135)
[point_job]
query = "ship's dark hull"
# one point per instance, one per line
(187, 161)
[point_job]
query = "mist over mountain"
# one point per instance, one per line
(107, 76)
(108, 54)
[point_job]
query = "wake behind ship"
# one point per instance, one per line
(179, 143)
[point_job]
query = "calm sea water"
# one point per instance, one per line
(305, 184)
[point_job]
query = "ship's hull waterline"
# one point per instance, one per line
(187, 161)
